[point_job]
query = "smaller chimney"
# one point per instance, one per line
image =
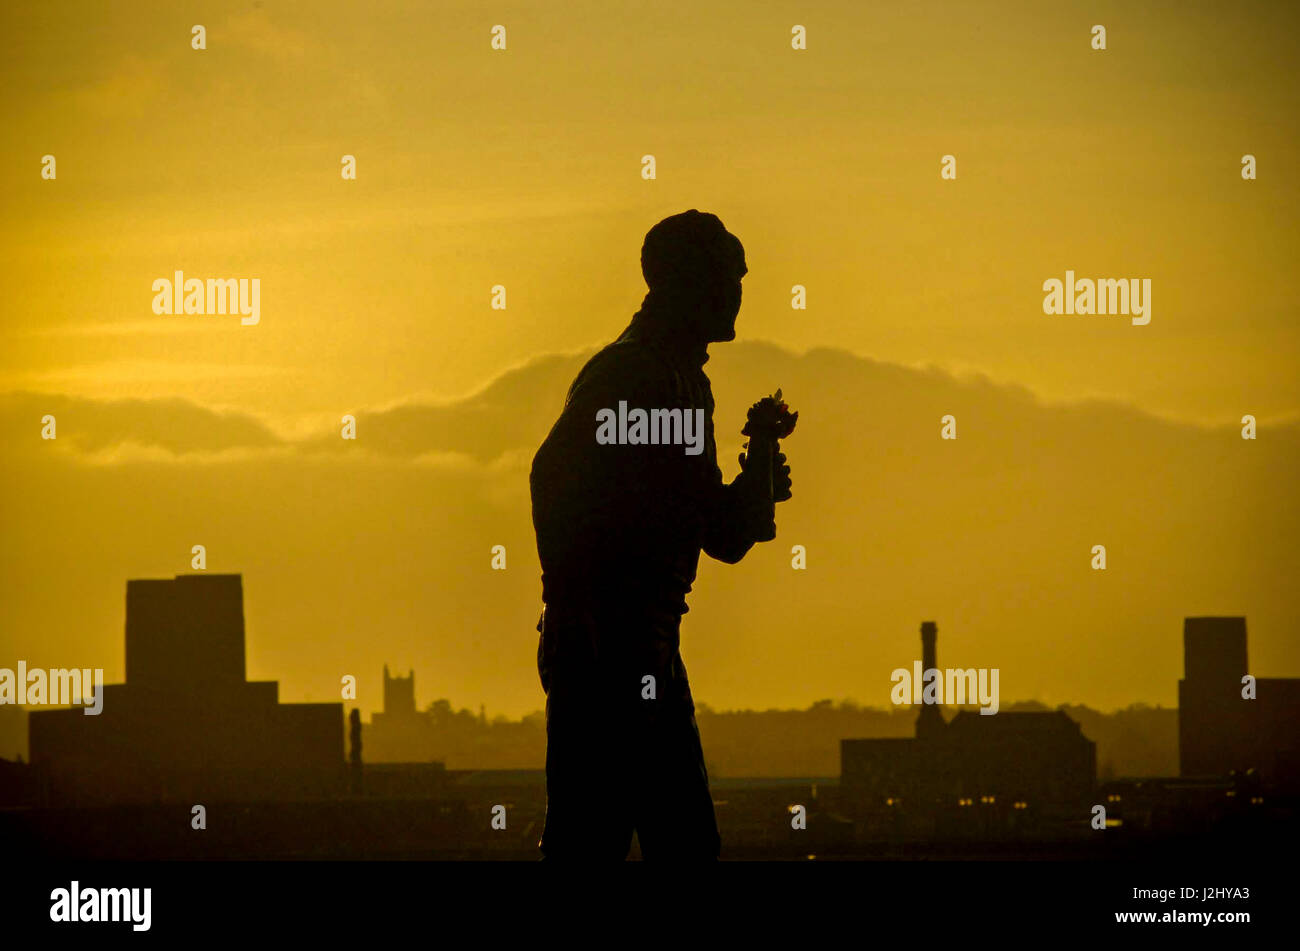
(929, 722)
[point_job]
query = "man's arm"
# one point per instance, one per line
(742, 516)
(745, 515)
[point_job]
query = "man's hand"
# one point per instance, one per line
(757, 512)
(781, 484)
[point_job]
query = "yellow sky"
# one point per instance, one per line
(522, 167)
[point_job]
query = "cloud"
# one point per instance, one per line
(357, 554)
(255, 30)
(130, 91)
(507, 418)
(121, 328)
(172, 427)
(146, 371)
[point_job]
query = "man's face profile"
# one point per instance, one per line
(721, 305)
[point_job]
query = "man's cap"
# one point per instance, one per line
(689, 247)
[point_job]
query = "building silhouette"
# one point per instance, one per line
(399, 695)
(400, 732)
(1012, 764)
(1219, 730)
(929, 720)
(187, 725)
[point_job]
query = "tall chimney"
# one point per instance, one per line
(929, 722)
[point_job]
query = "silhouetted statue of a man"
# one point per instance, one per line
(626, 493)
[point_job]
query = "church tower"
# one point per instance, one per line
(399, 694)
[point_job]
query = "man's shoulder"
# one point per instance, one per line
(625, 366)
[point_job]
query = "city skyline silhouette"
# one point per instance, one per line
(78, 771)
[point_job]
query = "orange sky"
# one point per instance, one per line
(522, 167)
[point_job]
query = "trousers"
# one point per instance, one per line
(619, 761)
